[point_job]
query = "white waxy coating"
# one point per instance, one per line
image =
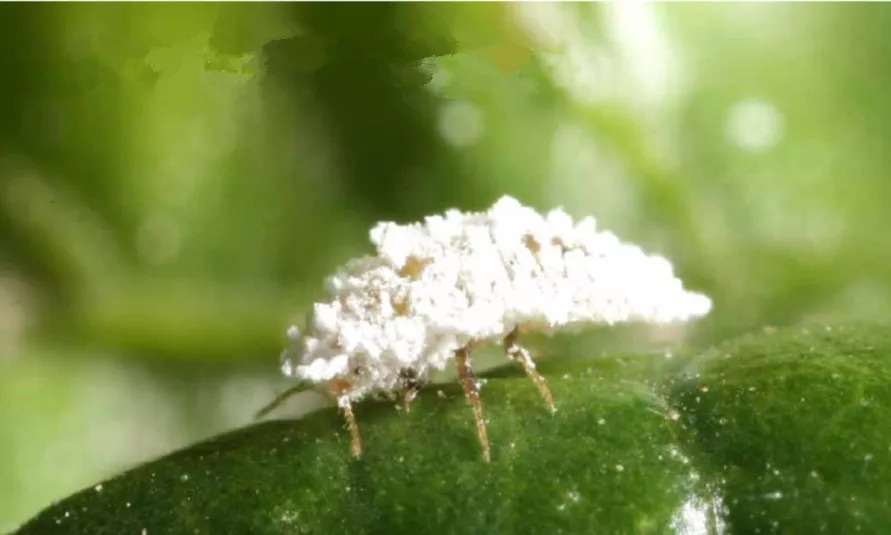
(436, 286)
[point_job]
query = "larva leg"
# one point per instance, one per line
(279, 399)
(519, 353)
(343, 402)
(411, 385)
(408, 396)
(472, 392)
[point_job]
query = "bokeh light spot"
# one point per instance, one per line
(460, 123)
(754, 125)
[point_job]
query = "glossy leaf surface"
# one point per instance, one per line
(774, 432)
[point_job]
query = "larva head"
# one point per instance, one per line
(291, 354)
(292, 357)
(297, 361)
(311, 358)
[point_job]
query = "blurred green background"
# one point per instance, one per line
(177, 180)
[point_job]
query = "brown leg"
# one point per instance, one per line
(521, 354)
(347, 409)
(472, 392)
(411, 385)
(408, 396)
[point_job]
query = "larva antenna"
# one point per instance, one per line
(279, 399)
(288, 369)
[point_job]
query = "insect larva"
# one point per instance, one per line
(435, 288)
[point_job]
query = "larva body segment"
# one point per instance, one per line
(436, 287)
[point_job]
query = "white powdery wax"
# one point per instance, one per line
(436, 286)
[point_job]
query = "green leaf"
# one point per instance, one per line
(793, 428)
(716, 441)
